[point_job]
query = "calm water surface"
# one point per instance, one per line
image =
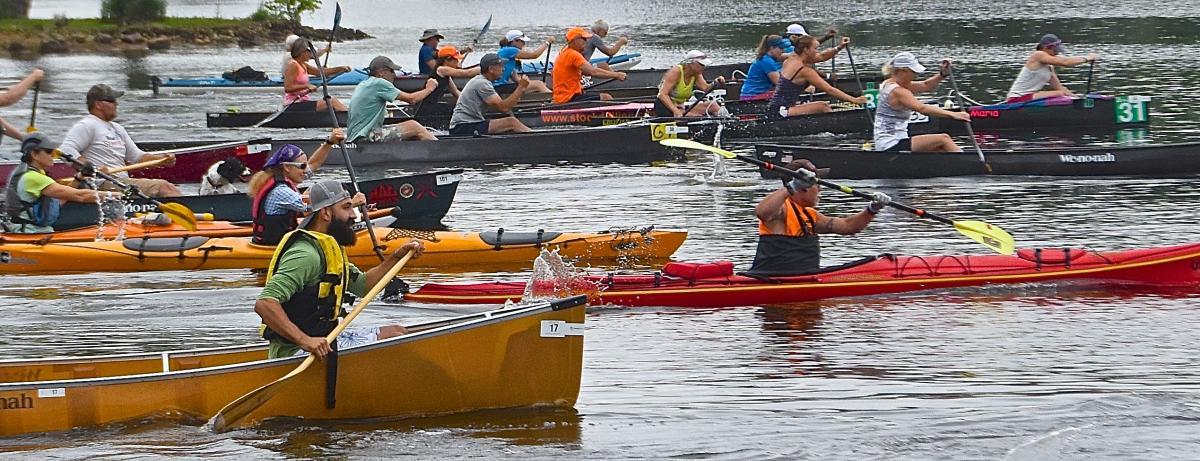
(1031, 372)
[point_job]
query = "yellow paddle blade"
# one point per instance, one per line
(180, 214)
(689, 144)
(990, 236)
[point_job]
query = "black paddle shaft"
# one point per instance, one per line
(110, 178)
(346, 155)
(1091, 72)
(37, 88)
(809, 176)
(862, 90)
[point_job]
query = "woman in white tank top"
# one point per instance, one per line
(896, 103)
(1038, 72)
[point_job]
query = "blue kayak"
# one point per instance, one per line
(201, 84)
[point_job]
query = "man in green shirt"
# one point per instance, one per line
(368, 106)
(32, 199)
(302, 300)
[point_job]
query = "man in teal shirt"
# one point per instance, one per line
(368, 106)
(310, 278)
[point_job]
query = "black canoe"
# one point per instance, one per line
(1166, 160)
(1092, 112)
(620, 144)
(423, 199)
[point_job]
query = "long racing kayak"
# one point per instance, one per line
(716, 285)
(444, 250)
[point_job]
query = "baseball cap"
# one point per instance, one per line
(1051, 41)
(382, 62)
(285, 153)
(321, 195)
(449, 51)
(698, 57)
(906, 60)
(807, 165)
(430, 33)
(489, 60)
(37, 140)
(516, 35)
(102, 92)
(795, 29)
(577, 32)
(287, 43)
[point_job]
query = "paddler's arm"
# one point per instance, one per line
(670, 79)
(810, 75)
(831, 52)
(413, 98)
(300, 262)
(770, 210)
(905, 98)
(318, 157)
(514, 98)
(589, 69)
(856, 223)
(537, 52)
(11, 131)
(379, 271)
(615, 48)
(71, 194)
(17, 92)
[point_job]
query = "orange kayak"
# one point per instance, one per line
(444, 250)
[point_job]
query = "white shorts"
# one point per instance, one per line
(353, 337)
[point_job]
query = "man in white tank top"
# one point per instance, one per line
(1038, 72)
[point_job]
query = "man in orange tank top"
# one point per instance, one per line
(571, 66)
(789, 224)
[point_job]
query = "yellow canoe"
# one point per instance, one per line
(444, 250)
(515, 357)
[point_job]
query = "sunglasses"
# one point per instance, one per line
(300, 165)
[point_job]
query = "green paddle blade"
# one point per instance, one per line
(179, 214)
(990, 236)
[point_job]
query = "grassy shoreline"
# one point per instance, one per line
(29, 38)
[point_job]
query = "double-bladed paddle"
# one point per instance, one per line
(337, 18)
(990, 236)
(238, 409)
(962, 105)
(179, 213)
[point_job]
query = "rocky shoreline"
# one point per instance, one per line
(28, 39)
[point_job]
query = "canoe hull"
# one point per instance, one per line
(446, 251)
(627, 144)
(472, 363)
(1167, 160)
(424, 199)
(1156, 267)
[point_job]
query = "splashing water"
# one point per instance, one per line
(554, 278)
(108, 211)
(720, 177)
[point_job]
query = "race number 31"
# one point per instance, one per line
(1131, 109)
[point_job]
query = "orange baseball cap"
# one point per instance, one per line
(449, 51)
(577, 32)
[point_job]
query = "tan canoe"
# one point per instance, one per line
(515, 357)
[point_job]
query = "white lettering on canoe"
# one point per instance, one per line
(1097, 158)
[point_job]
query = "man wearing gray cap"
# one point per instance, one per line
(477, 95)
(368, 106)
(105, 144)
(32, 199)
(310, 274)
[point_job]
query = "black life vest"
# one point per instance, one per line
(315, 309)
(269, 229)
(42, 212)
(796, 252)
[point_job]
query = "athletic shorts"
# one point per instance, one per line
(470, 129)
(904, 145)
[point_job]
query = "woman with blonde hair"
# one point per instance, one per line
(798, 74)
(897, 101)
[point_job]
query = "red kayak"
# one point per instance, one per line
(716, 285)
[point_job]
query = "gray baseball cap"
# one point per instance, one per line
(321, 195)
(382, 62)
(102, 92)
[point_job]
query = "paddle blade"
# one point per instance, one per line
(236, 410)
(337, 15)
(689, 144)
(990, 236)
(180, 214)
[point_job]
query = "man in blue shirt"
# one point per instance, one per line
(368, 106)
(428, 54)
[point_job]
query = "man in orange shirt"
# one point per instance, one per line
(571, 66)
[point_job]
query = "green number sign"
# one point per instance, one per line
(1131, 109)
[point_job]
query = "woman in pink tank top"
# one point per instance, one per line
(298, 92)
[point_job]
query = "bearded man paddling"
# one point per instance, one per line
(310, 275)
